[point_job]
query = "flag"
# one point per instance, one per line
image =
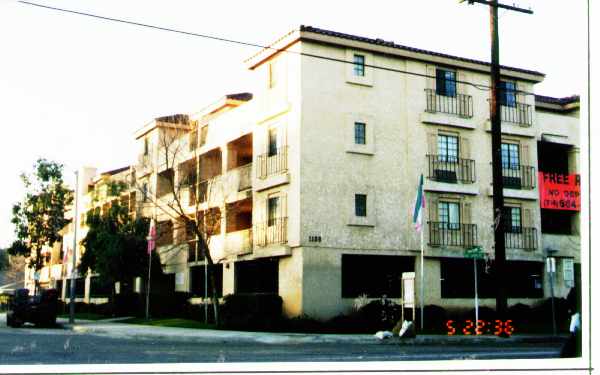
(151, 237)
(419, 207)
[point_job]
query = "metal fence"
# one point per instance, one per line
(270, 232)
(518, 177)
(521, 238)
(460, 104)
(449, 234)
(452, 170)
(273, 164)
(519, 114)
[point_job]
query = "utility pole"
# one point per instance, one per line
(73, 256)
(498, 182)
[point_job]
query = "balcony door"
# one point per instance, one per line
(511, 165)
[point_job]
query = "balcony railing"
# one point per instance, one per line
(271, 232)
(459, 104)
(245, 177)
(521, 238)
(449, 234)
(273, 164)
(519, 113)
(452, 170)
(239, 242)
(518, 176)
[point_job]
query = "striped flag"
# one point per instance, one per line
(419, 207)
(151, 237)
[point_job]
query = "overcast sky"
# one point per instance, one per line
(74, 89)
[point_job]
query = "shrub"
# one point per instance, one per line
(251, 311)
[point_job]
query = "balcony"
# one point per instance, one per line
(461, 105)
(518, 113)
(269, 165)
(451, 170)
(244, 177)
(521, 238)
(271, 232)
(449, 234)
(239, 242)
(518, 177)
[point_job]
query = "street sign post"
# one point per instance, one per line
(475, 253)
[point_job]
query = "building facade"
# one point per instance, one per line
(309, 180)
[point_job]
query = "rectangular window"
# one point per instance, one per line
(145, 192)
(447, 148)
(273, 71)
(359, 65)
(193, 140)
(445, 82)
(508, 96)
(203, 134)
(146, 146)
(510, 156)
(273, 146)
(360, 137)
(374, 275)
(449, 215)
(360, 205)
(272, 210)
(512, 219)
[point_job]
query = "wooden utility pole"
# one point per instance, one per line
(498, 182)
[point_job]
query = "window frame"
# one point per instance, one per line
(273, 209)
(445, 215)
(360, 138)
(445, 80)
(358, 62)
(272, 141)
(508, 96)
(360, 205)
(444, 151)
(508, 151)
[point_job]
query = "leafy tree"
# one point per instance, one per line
(40, 215)
(115, 245)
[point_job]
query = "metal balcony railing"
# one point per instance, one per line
(270, 232)
(518, 113)
(518, 176)
(452, 170)
(460, 104)
(450, 234)
(273, 164)
(520, 238)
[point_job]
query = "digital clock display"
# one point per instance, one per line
(481, 327)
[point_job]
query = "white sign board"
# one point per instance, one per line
(568, 272)
(408, 289)
(550, 265)
(179, 278)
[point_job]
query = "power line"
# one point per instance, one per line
(249, 44)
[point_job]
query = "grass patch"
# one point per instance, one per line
(175, 322)
(85, 316)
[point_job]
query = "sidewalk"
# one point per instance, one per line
(115, 329)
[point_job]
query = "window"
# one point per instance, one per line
(273, 146)
(360, 205)
(193, 140)
(203, 134)
(359, 65)
(510, 156)
(273, 72)
(374, 275)
(445, 82)
(360, 137)
(447, 148)
(145, 192)
(146, 146)
(449, 215)
(512, 219)
(508, 93)
(272, 210)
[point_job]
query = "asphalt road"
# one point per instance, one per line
(28, 346)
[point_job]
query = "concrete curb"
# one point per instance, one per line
(134, 331)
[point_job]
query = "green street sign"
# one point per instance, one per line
(474, 253)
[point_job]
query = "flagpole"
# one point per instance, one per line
(422, 279)
(148, 288)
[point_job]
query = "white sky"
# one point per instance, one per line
(74, 89)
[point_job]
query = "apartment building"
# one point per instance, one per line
(95, 192)
(314, 175)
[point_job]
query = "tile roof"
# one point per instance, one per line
(391, 44)
(115, 171)
(560, 101)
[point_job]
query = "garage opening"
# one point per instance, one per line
(257, 276)
(374, 275)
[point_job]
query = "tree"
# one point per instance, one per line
(184, 183)
(115, 245)
(39, 217)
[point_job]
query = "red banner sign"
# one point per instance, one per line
(559, 191)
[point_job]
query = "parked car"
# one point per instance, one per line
(40, 310)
